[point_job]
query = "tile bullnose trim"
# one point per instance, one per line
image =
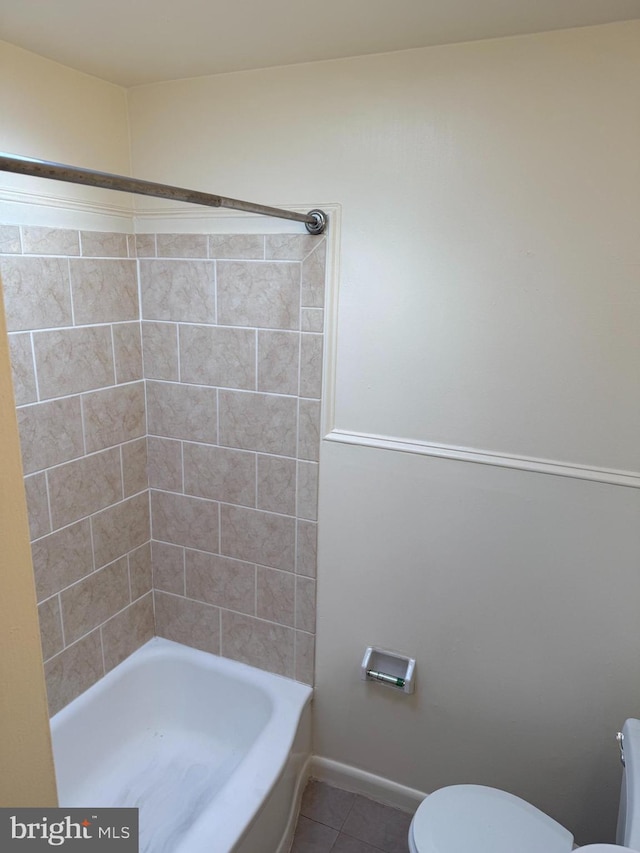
(629, 479)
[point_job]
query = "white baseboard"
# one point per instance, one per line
(368, 784)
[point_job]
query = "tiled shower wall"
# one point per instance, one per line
(230, 351)
(74, 334)
(233, 359)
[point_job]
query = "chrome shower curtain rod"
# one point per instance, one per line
(315, 221)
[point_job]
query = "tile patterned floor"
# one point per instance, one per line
(335, 821)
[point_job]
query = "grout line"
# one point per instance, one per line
(256, 464)
(215, 293)
(218, 417)
(73, 313)
(178, 359)
(91, 516)
(58, 595)
(46, 486)
(113, 355)
(35, 368)
(222, 609)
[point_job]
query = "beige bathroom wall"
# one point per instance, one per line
(488, 310)
(73, 319)
(487, 191)
(27, 777)
(51, 112)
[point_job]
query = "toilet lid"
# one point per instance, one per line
(476, 819)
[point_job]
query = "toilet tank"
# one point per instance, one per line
(628, 833)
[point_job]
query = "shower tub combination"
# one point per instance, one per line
(214, 753)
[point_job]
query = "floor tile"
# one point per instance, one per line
(347, 844)
(312, 837)
(326, 804)
(381, 826)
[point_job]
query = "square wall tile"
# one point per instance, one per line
(192, 623)
(275, 597)
(62, 558)
(307, 494)
(289, 247)
(120, 528)
(127, 352)
(36, 292)
(182, 291)
(306, 548)
(104, 290)
(144, 245)
(92, 601)
(140, 571)
(276, 484)
(220, 474)
(134, 467)
(257, 642)
(35, 488)
(22, 368)
(278, 361)
(214, 355)
(38, 240)
(73, 671)
(221, 581)
(168, 567)
(311, 366)
(312, 320)
(261, 294)
(84, 486)
(127, 631)
(236, 246)
(305, 649)
(160, 347)
(182, 245)
(257, 537)
(72, 360)
(50, 627)
(182, 411)
(50, 433)
(309, 430)
(305, 604)
(165, 464)
(313, 278)
(113, 416)
(182, 520)
(103, 244)
(262, 422)
(10, 240)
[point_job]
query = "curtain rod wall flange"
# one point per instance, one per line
(315, 221)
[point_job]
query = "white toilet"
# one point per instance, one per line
(477, 819)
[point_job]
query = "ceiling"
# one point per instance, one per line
(132, 42)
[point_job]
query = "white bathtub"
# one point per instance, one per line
(211, 751)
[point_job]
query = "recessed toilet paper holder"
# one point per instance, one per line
(389, 668)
